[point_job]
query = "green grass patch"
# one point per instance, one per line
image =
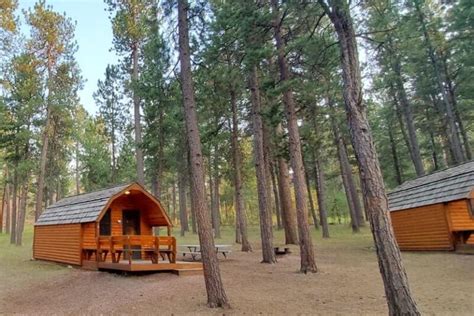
(18, 268)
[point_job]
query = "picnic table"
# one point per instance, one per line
(195, 250)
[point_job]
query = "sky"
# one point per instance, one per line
(94, 38)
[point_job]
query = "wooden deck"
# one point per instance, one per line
(179, 267)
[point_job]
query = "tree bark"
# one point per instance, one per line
(43, 160)
(7, 208)
(241, 218)
(183, 212)
(216, 296)
(216, 218)
(173, 199)
(14, 206)
(321, 192)
(452, 98)
(311, 202)
(137, 119)
(191, 197)
(77, 171)
(452, 132)
(346, 174)
(21, 213)
(288, 212)
(2, 207)
(266, 230)
(275, 195)
(267, 155)
(407, 111)
(397, 291)
(114, 158)
(308, 263)
(393, 149)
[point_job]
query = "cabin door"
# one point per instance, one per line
(131, 226)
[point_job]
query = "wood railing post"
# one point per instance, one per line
(129, 249)
(174, 250)
(97, 249)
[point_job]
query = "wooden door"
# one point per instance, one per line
(131, 226)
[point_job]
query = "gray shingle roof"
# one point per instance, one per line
(443, 186)
(80, 208)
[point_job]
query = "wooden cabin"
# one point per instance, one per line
(108, 229)
(436, 211)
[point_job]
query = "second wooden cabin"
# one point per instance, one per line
(436, 211)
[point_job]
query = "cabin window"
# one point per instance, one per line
(106, 224)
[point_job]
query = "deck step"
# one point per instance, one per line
(184, 272)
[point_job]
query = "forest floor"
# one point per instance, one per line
(348, 282)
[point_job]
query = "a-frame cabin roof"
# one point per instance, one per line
(447, 185)
(82, 208)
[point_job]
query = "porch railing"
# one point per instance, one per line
(125, 246)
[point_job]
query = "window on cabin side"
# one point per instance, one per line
(105, 225)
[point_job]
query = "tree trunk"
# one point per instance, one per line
(21, 213)
(183, 212)
(137, 119)
(191, 197)
(275, 195)
(434, 151)
(397, 291)
(14, 215)
(77, 171)
(321, 192)
(173, 197)
(393, 148)
(216, 199)
(267, 155)
(114, 158)
(353, 189)
(308, 263)
(288, 212)
(8, 208)
(238, 234)
(452, 132)
(266, 231)
(311, 202)
(216, 296)
(452, 97)
(346, 174)
(407, 111)
(42, 170)
(2, 207)
(241, 218)
(399, 114)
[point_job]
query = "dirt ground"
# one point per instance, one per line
(348, 283)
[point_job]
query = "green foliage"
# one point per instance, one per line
(228, 38)
(95, 157)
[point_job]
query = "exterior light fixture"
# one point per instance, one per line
(127, 192)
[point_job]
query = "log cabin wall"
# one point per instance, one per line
(459, 216)
(422, 228)
(60, 243)
(89, 235)
(129, 203)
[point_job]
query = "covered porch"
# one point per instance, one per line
(134, 253)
